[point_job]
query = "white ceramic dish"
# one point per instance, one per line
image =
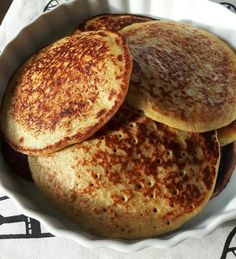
(63, 20)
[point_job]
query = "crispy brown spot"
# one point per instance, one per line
(112, 22)
(101, 112)
(21, 140)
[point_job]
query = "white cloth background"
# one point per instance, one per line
(38, 244)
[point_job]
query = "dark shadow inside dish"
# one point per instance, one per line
(227, 165)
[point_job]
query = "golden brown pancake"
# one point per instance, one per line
(227, 134)
(226, 168)
(111, 22)
(66, 92)
(17, 162)
(134, 178)
(183, 76)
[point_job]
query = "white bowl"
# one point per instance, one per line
(61, 21)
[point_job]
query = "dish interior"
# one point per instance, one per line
(41, 32)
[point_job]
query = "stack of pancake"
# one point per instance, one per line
(122, 122)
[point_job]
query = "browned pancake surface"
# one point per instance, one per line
(134, 178)
(183, 76)
(111, 22)
(66, 92)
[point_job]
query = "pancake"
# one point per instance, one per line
(17, 162)
(111, 22)
(134, 178)
(77, 31)
(66, 92)
(182, 76)
(227, 134)
(226, 168)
